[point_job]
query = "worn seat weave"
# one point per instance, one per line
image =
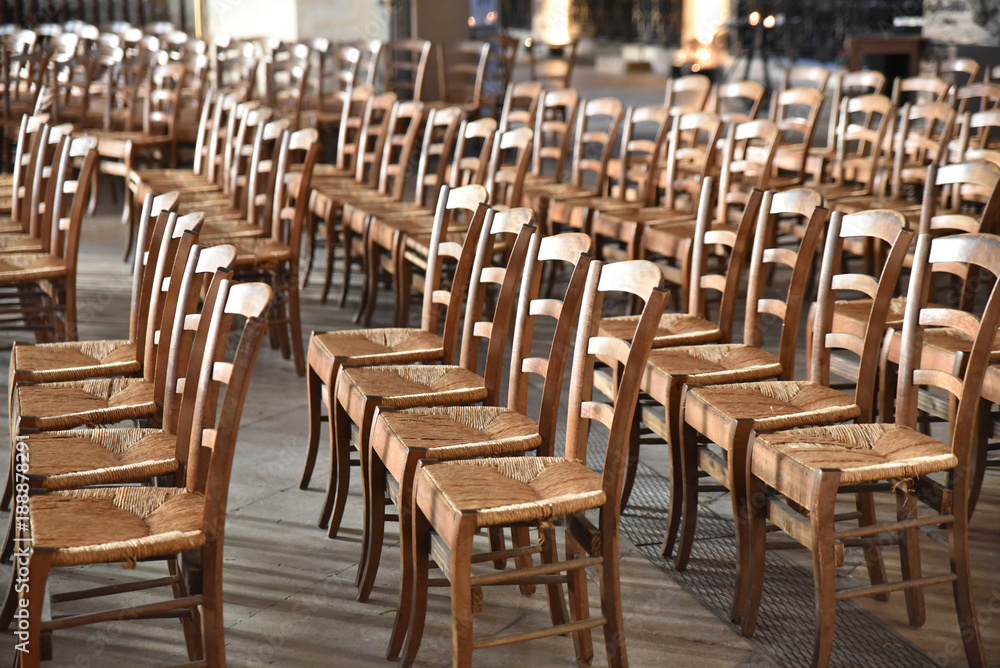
(409, 386)
(778, 404)
(80, 458)
(452, 432)
(674, 329)
(30, 266)
(72, 360)
(860, 452)
(69, 404)
(708, 364)
(386, 345)
(504, 490)
(108, 524)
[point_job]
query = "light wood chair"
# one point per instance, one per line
(958, 71)
(554, 125)
(805, 76)
(736, 101)
(500, 69)
(520, 105)
(335, 76)
(536, 491)
(405, 66)
(401, 439)
(809, 467)
(551, 64)
(127, 524)
(796, 112)
(358, 391)
(859, 138)
(286, 75)
(726, 414)
(435, 339)
(687, 94)
(462, 74)
(919, 90)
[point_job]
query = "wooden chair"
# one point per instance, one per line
(328, 351)
(500, 69)
(401, 439)
(359, 391)
(805, 76)
(462, 74)
(971, 99)
(286, 75)
(726, 414)
(275, 257)
(335, 75)
(736, 101)
(192, 516)
(508, 166)
(858, 141)
(444, 505)
(554, 124)
(405, 66)
(90, 359)
(551, 64)
(597, 126)
(810, 467)
(796, 112)
(846, 85)
(958, 71)
(978, 136)
(520, 105)
(918, 90)
(687, 94)
(47, 280)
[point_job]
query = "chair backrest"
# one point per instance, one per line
(597, 126)
(520, 105)
(499, 70)
(921, 140)
(66, 196)
(212, 420)
(736, 101)
(371, 140)
(511, 229)
(151, 229)
(371, 52)
(349, 129)
(747, 161)
(691, 155)
(948, 196)
(161, 104)
(863, 123)
(554, 124)
(796, 112)
(958, 71)
(732, 248)
(632, 176)
(805, 76)
(193, 273)
(461, 73)
(765, 300)
(29, 143)
(336, 76)
(404, 122)
(687, 94)
(977, 97)
(405, 67)
(978, 139)
(258, 193)
(508, 166)
(297, 158)
(573, 249)
(286, 76)
(471, 200)
(962, 255)
(641, 279)
(440, 133)
(473, 149)
(552, 64)
(884, 227)
(919, 90)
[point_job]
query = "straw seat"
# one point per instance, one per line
(68, 404)
(56, 361)
(407, 386)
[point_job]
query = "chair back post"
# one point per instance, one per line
(508, 166)
(148, 241)
(880, 226)
(470, 169)
(440, 133)
(497, 228)
(572, 248)
(785, 304)
(644, 280)
(68, 228)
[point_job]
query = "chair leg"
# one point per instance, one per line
(738, 495)
(314, 397)
(213, 628)
(295, 320)
(689, 506)
(962, 568)
(461, 598)
(674, 512)
(865, 504)
(824, 566)
(550, 555)
(632, 461)
(69, 309)
(405, 505)
(909, 558)
(39, 565)
(757, 535)
(403, 282)
(191, 626)
(363, 447)
(418, 612)
(374, 533)
(367, 307)
(611, 598)
(348, 252)
(340, 469)
(579, 604)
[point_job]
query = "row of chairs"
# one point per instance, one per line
(705, 385)
(179, 375)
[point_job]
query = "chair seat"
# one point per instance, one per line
(770, 405)
(254, 251)
(707, 364)
(85, 457)
(859, 452)
(851, 316)
(65, 405)
(451, 432)
(674, 329)
(30, 266)
(364, 347)
(504, 490)
(73, 360)
(223, 228)
(122, 524)
(402, 386)
(19, 242)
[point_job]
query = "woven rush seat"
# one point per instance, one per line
(851, 315)
(69, 404)
(504, 490)
(409, 386)
(771, 405)
(73, 360)
(859, 452)
(674, 329)
(30, 267)
(80, 458)
(451, 432)
(395, 345)
(712, 363)
(20, 242)
(122, 524)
